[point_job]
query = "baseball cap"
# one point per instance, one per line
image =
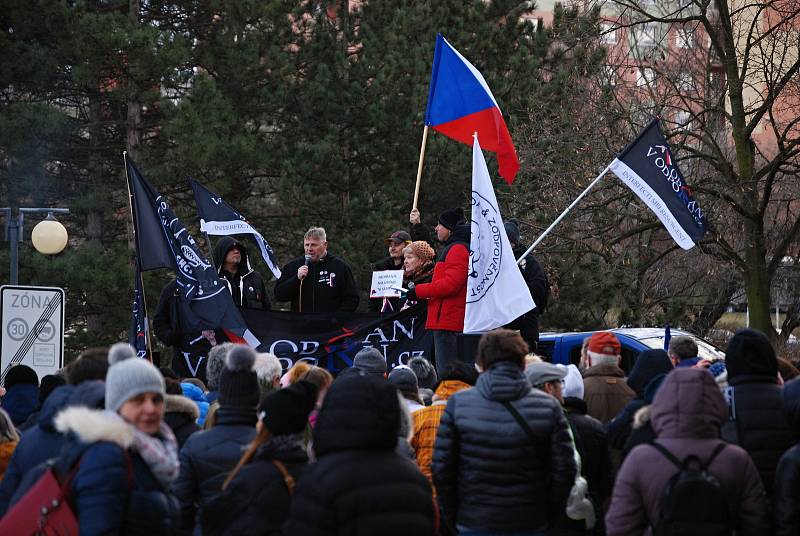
(604, 342)
(398, 237)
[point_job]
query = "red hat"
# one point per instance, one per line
(604, 342)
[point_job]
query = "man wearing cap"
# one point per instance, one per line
(370, 361)
(536, 280)
(605, 390)
(447, 291)
(396, 242)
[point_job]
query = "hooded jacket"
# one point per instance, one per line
(649, 364)
(246, 285)
(757, 421)
(37, 444)
(20, 401)
(328, 288)
(359, 485)
(195, 394)
(686, 415)
(605, 391)
(181, 416)
(489, 475)
(787, 476)
(107, 498)
(206, 459)
(447, 291)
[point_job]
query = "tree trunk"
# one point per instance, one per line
(757, 283)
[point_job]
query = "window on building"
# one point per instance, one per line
(609, 75)
(684, 38)
(644, 76)
(684, 81)
(683, 120)
(608, 33)
(645, 35)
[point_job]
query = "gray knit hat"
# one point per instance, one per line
(129, 376)
(370, 361)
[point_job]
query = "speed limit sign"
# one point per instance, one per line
(32, 324)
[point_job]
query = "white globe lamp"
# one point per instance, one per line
(49, 237)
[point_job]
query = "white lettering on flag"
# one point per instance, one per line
(496, 290)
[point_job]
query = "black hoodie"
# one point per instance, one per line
(246, 285)
(328, 288)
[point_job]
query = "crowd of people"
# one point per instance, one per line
(508, 445)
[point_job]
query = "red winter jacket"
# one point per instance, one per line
(447, 292)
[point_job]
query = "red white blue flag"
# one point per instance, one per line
(648, 168)
(460, 103)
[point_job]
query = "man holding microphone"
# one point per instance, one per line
(317, 282)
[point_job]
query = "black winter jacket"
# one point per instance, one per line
(246, 286)
(257, 501)
(206, 459)
(489, 476)
(592, 444)
(759, 423)
(328, 288)
(787, 478)
(359, 486)
(181, 414)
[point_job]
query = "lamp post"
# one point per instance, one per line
(49, 237)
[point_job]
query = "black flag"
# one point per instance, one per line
(219, 218)
(162, 241)
(138, 332)
(649, 169)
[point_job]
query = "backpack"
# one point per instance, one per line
(693, 501)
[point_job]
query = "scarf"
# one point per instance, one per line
(159, 452)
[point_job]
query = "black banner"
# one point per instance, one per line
(331, 340)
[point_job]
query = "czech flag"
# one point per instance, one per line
(460, 103)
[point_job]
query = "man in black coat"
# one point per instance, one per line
(245, 284)
(490, 474)
(536, 280)
(757, 420)
(318, 282)
(787, 478)
(359, 484)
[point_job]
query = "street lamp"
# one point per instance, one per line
(49, 237)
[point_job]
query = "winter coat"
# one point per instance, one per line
(328, 288)
(20, 401)
(246, 285)
(642, 430)
(36, 445)
(195, 394)
(760, 425)
(206, 459)
(257, 500)
(787, 477)
(112, 493)
(359, 486)
(648, 364)
(539, 288)
(686, 414)
(181, 416)
(592, 444)
(605, 391)
(6, 450)
(489, 476)
(447, 291)
(426, 424)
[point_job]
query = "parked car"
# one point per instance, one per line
(565, 348)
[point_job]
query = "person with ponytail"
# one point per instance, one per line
(256, 494)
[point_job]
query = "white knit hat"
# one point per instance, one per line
(129, 376)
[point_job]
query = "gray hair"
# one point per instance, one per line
(317, 233)
(682, 348)
(423, 369)
(215, 364)
(7, 430)
(602, 359)
(267, 368)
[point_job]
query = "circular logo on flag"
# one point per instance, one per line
(484, 261)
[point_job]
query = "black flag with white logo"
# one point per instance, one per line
(648, 168)
(138, 333)
(219, 218)
(162, 241)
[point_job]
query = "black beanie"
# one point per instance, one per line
(49, 384)
(21, 375)
(750, 352)
(238, 383)
(452, 217)
(512, 231)
(285, 411)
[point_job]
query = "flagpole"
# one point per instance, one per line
(563, 214)
(419, 167)
(148, 338)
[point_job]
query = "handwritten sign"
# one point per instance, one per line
(385, 284)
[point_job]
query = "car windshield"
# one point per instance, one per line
(705, 350)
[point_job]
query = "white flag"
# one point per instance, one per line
(496, 290)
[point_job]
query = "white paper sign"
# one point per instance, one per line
(384, 283)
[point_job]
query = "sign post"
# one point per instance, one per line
(32, 329)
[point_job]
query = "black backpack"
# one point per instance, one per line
(693, 501)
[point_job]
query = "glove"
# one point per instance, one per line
(411, 295)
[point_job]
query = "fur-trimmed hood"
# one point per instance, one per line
(641, 417)
(90, 426)
(181, 404)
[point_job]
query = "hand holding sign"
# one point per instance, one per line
(385, 284)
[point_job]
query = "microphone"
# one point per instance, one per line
(308, 260)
